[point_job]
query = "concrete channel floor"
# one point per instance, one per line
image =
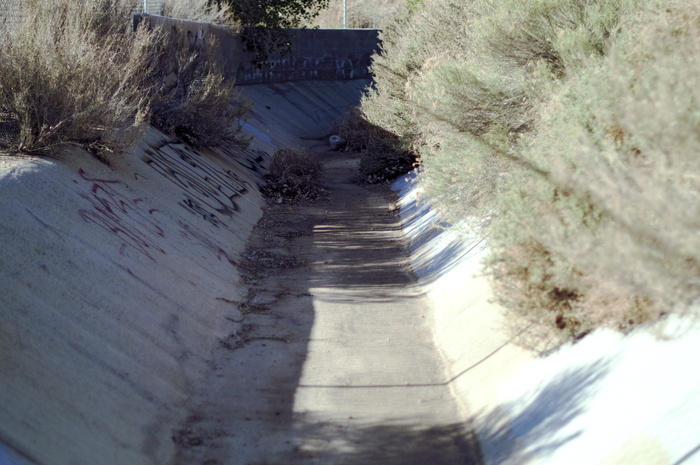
(335, 363)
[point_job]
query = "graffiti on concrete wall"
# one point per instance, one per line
(195, 236)
(210, 192)
(251, 159)
(124, 217)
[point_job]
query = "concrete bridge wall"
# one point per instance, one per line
(326, 54)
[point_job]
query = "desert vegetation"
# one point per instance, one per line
(294, 175)
(195, 101)
(79, 72)
(360, 13)
(203, 11)
(267, 23)
(385, 156)
(74, 72)
(568, 132)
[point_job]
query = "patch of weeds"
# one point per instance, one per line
(266, 259)
(9, 132)
(384, 157)
(199, 104)
(247, 308)
(378, 166)
(188, 437)
(293, 175)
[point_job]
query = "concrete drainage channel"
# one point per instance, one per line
(134, 333)
(148, 317)
(337, 352)
(151, 314)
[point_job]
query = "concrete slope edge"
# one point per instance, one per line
(608, 399)
(118, 281)
(478, 354)
(322, 54)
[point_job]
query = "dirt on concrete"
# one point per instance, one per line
(335, 361)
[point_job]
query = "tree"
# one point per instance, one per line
(267, 22)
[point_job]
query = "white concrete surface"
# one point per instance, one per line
(468, 327)
(609, 399)
(612, 399)
(116, 283)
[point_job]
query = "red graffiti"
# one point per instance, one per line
(123, 217)
(223, 253)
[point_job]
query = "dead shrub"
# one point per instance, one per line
(196, 101)
(382, 164)
(75, 72)
(293, 174)
(384, 157)
(556, 299)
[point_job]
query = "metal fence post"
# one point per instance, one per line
(345, 14)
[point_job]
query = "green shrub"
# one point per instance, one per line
(622, 202)
(74, 71)
(267, 24)
(569, 129)
(407, 44)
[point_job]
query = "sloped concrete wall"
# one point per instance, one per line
(119, 282)
(479, 354)
(607, 399)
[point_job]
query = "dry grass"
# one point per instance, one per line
(360, 13)
(75, 72)
(196, 10)
(196, 102)
(293, 174)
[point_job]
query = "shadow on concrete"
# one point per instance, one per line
(437, 248)
(352, 250)
(544, 423)
(360, 250)
(440, 263)
(326, 443)
(244, 411)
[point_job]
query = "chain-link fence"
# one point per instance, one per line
(151, 7)
(9, 9)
